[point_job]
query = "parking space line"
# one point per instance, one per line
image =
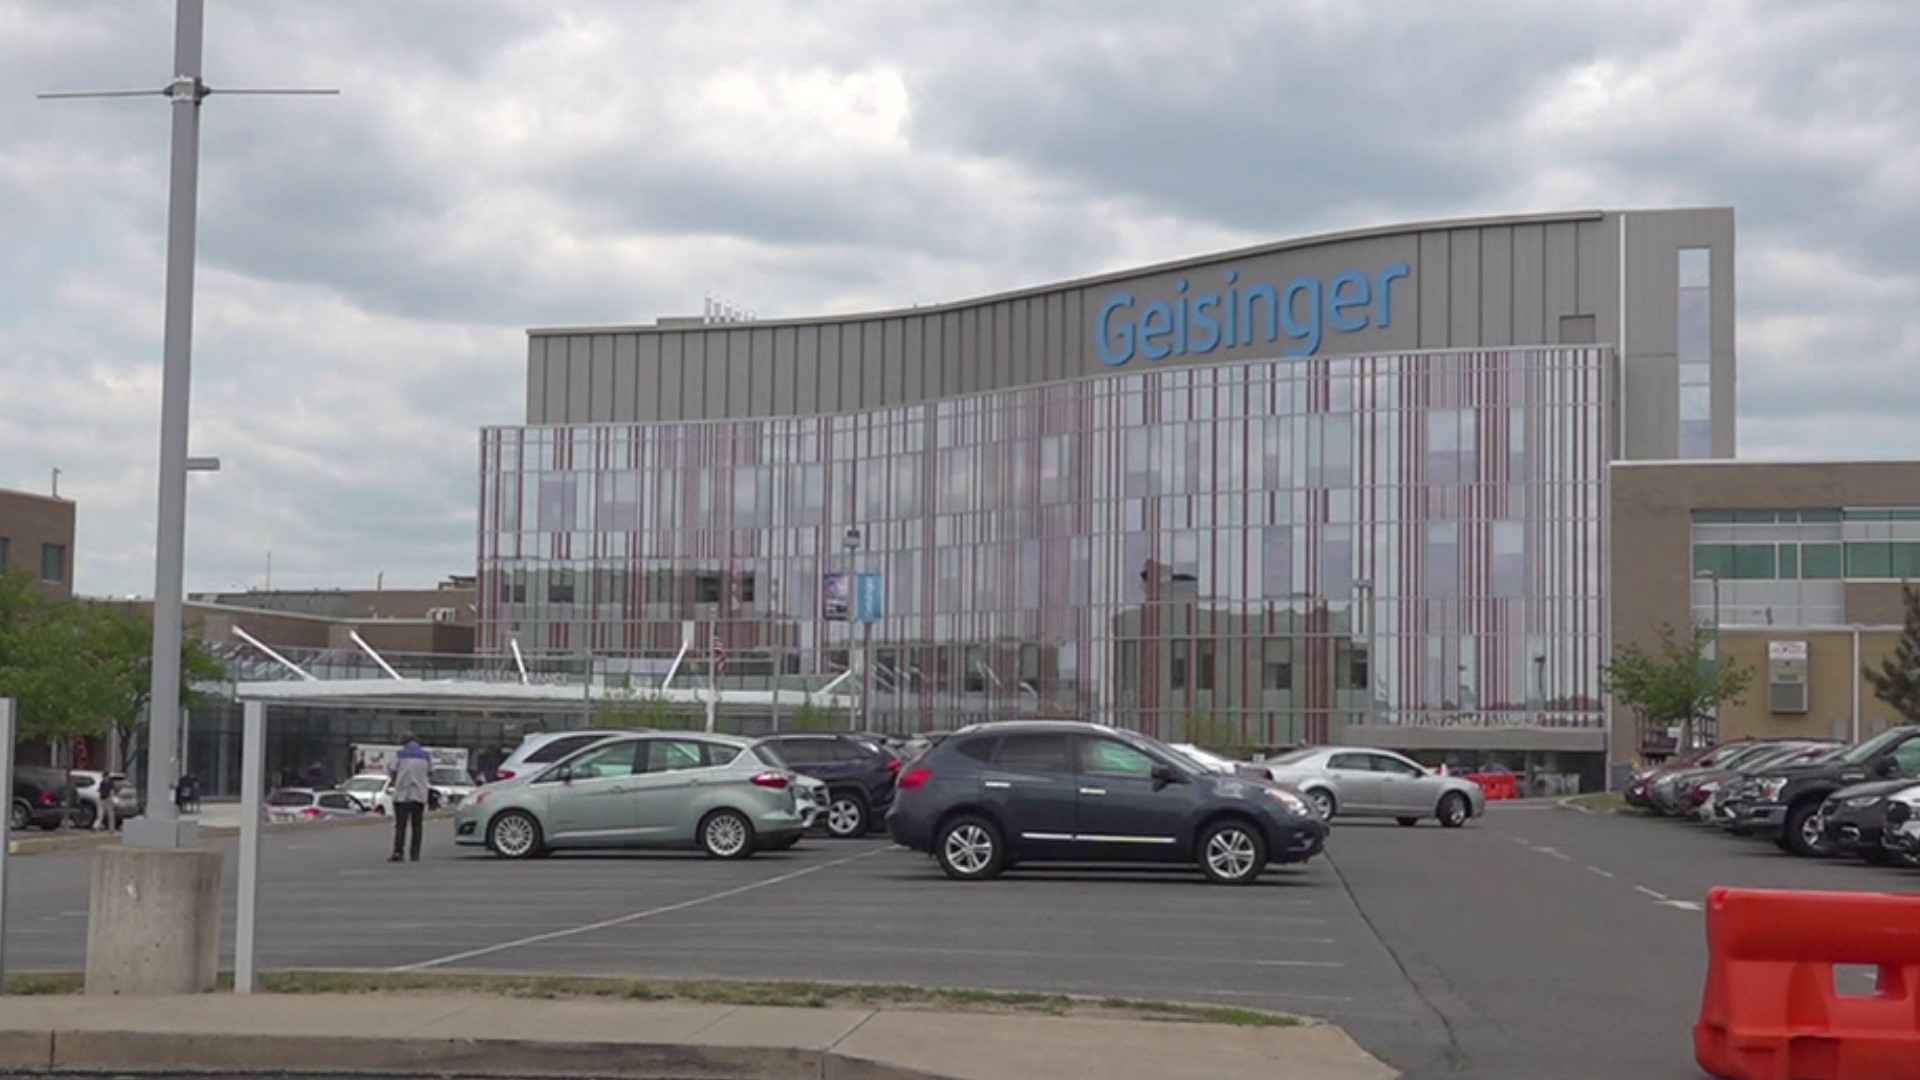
(637, 916)
(1602, 873)
(1662, 897)
(1555, 852)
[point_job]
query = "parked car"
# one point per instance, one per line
(1693, 795)
(811, 799)
(994, 795)
(1901, 830)
(42, 798)
(654, 789)
(1667, 793)
(86, 797)
(1377, 783)
(860, 777)
(1786, 806)
(1853, 820)
(373, 791)
(917, 745)
(1215, 763)
(1728, 805)
(1640, 786)
(449, 788)
(288, 806)
(543, 748)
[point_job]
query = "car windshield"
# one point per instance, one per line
(450, 776)
(290, 798)
(1293, 757)
(1868, 750)
(364, 783)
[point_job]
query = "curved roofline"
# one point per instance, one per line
(1257, 250)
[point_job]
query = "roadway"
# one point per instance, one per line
(1538, 941)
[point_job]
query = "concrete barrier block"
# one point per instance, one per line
(153, 924)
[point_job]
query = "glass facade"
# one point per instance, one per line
(1283, 546)
(1790, 567)
(1694, 350)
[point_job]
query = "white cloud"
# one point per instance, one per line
(369, 263)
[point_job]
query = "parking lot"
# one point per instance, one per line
(1537, 941)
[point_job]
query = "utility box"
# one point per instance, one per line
(1787, 676)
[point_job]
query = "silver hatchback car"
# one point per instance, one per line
(656, 789)
(1360, 782)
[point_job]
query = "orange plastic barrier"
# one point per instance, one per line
(1771, 1012)
(1497, 785)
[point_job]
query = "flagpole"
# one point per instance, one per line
(713, 689)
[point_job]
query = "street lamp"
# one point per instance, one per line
(1713, 576)
(852, 543)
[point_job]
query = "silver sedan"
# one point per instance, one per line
(1360, 782)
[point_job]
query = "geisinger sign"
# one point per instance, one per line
(1304, 310)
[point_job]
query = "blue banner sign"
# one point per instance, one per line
(872, 596)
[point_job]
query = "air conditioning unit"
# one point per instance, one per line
(1787, 676)
(440, 614)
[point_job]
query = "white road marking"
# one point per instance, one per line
(752, 886)
(1683, 905)
(1555, 853)
(1662, 897)
(1602, 873)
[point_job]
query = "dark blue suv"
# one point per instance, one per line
(992, 795)
(859, 775)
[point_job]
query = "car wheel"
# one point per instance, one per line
(84, 816)
(1407, 822)
(1232, 853)
(847, 816)
(970, 849)
(726, 834)
(1453, 810)
(19, 818)
(1804, 832)
(1323, 803)
(515, 835)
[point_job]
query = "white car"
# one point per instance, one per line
(373, 790)
(1362, 782)
(86, 801)
(1901, 835)
(450, 787)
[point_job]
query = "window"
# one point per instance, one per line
(1871, 560)
(674, 755)
(339, 800)
(1352, 762)
(1035, 754)
(1906, 560)
(1789, 562)
(1203, 676)
(980, 750)
(1753, 562)
(560, 748)
(606, 762)
(1110, 757)
(1276, 664)
(290, 798)
(1713, 559)
(1177, 677)
(1509, 558)
(1820, 562)
(560, 587)
(1386, 764)
(805, 751)
(53, 562)
(1908, 755)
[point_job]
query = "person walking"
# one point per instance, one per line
(107, 819)
(412, 772)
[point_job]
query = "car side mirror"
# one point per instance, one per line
(1886, 766)
(562, 773)
(1166, 774)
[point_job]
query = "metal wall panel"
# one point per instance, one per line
(1431, 277)
(650, 379)
(1562, 265)
(695, 348)
(915, 334)
(1530, 285)
(806, 374)
(1598, 277)
(1496, 286)
(951, 324)
(1002, 372)
(537, 380)
(872, 386)
(893, 361)
(600, 380)
(557, 378)
(830, 364)
(579, 375)
(760, 372)
(1464, 285)
(782, 367)
(671, 400)
(626, 376)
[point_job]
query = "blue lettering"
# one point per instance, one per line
(1307, 332)
(1204, 323)
(1156, 323)
(1107, 331)
(1347, 291)
(1383, 315)
(1247, 298)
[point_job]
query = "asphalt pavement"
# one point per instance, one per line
(1538, 941)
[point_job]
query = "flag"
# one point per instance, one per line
(719, 656)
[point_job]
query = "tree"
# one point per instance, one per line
(47, 663)
(118, 645)
(1672, 684)
(1896, 680)
(628, 712)
(1210, 732)
(811, 717)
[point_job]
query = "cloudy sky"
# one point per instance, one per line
(369, 263)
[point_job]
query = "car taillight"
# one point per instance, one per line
(770, 780)
(894, 765)
(915, 779)
(503, 774)
(310, 811)
(46, 798)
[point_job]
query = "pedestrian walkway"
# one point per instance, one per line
(478, 1035)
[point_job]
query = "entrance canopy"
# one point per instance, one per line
(474, 695)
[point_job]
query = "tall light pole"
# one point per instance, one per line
(852, 544)
(161, 826)
(1713, 576)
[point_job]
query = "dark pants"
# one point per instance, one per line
(405, 815)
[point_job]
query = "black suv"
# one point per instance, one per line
(989, 796)
(1787, 800)
(859, 775)
(42, 798)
